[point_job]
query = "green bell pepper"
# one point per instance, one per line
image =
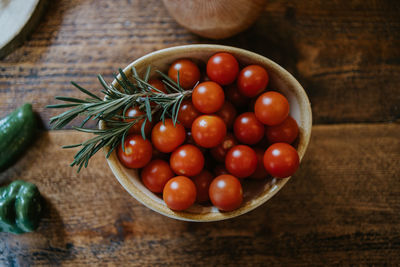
(20, 207)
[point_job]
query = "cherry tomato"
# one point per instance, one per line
(252, 80)
(187, 113)
(241, 161)
(136, 128)
(202, 182)
(227, 113)
(208, 131)
(248, 129)
(235, 97)
(158, 84)
(222, 68)
(189, 73)
(286, 132)
(260, 172)
(187, 160)
(137, 152)
(281, 160)
(167, 137)
(219, 170)
(156, 174)
(179, 193)
(271, 108)
(226, 192)
(208, 97)
(219, 152)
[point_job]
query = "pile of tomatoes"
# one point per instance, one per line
(231, 130)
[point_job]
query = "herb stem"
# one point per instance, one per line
(112, 108)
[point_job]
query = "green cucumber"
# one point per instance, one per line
(17, 131)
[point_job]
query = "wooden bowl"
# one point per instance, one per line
(256, 192)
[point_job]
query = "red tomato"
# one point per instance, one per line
(227, 113)
(158, 84)
(286, 132)
(208, 131)
(202, 182)
(179, 193)
(222, 68)
(208, 97)
(187, 113)
(226, 192)
(156, 174)
(137, 152)
(167, 137)
(252, 80)
(220, 169)
(241, 161)
(235, 97)
(260, 172)
(281, 160)
(187, 160)
(136, 128)
(271, 108)
(189, 73)
(248, 129)
(219, 152)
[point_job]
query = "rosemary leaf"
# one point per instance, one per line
(123, 139)
(148, 108)
(142, 129)
(122, 84)
(174, 112)
(136, 76)
(127, 81)
(95, 131)
(178, 107)
(169, 85)
(167, 78)
(147, 74)
(62, 106)
(112, 147)
(80, 167)
(125, 109)
(85, 121)
(85, 91)
(103, 82)
(70, 99)
(71, 146)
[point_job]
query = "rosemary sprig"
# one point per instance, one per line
(112, 110)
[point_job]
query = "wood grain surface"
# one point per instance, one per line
(344, 52)
(341, 208)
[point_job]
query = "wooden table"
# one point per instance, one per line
(341, 208)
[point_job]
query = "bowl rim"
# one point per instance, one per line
(141, 196)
